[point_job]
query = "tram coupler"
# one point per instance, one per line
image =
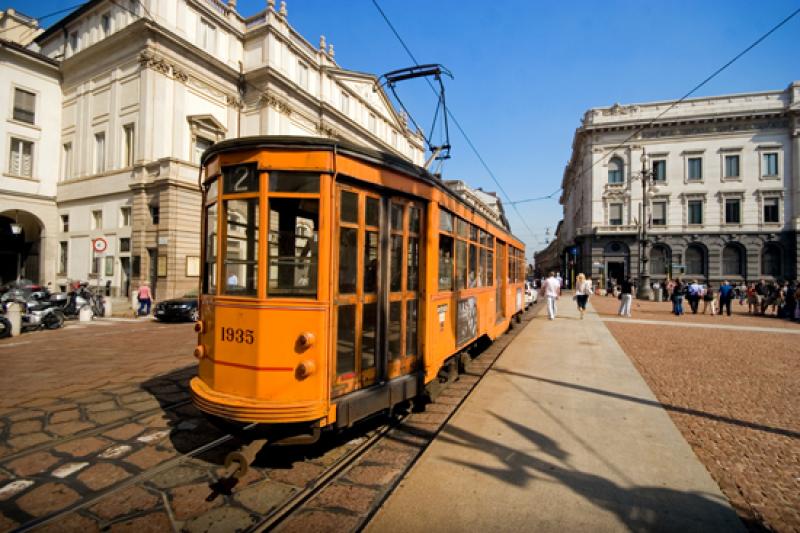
(238, 463)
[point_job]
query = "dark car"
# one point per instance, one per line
(184, 308)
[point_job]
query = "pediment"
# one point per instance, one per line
(366, 87)
(207, 122)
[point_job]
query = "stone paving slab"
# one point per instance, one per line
(562, 434)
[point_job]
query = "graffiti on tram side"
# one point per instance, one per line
(467, 320)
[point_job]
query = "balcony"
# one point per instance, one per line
(623, 228)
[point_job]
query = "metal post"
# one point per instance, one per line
(644, 291)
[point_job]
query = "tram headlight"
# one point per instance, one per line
(305, 369)
(200, 351)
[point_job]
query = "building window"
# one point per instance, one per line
(731, 166)
(732, 261)
(200, 146)
(105, 24)
(20, 160)
(66, 172)
(660, 170)
(99, 152)
(155, 214)
(771, 210)
(24, 106)
(97, 219)
(615, 169)
(659, 214)
(65, 223)
(206, 35)
(109, 265)
(695, 261)
(302, 75)
(733, 211)
(128, 131)
(125, 216)
(615, 214)
(695, 165)
(63, 254)
(769, 165)
(771, 261)
(73, 42)
(124, 244)
(345, 103)
(695, 208)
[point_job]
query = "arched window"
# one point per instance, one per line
(659, 260)
(695, 261)
(732, 261)
(771, 264)
(615, 170)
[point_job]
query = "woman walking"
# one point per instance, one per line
(583, 288)
(708, 300)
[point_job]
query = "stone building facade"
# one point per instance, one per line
(723, 198)
(146, 86)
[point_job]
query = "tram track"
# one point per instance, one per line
(303, 497)
(92, 432)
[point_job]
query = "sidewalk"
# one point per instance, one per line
(562, 434)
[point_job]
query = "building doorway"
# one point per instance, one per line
(616, 257)
(125, 276)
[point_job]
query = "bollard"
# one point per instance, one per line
(14, 315)
(106, 307)
(85, 314)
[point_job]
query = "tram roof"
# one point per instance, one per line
(363, 153)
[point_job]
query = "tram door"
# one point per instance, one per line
(376, 292)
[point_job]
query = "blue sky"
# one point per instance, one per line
(526, 71)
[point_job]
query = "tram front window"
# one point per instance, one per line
(293, 238)
(240, 267)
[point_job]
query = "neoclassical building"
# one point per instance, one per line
(723, 198)
(144, 87)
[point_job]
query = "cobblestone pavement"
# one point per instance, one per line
(97, 433)
(734, 396)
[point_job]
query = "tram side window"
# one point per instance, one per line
(210, 279)
(292, 247)
(445, 263)
(241, 247)
(473, 266)
(461, 264)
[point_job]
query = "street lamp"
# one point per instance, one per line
(644, 292)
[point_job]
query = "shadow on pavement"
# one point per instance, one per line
(668, 407)
(640, 508)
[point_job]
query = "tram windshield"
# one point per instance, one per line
(233, 241)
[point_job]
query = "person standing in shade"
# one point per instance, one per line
(583, 289)
(145, 298)
(551, 289)
(726, 295)
(626, 297)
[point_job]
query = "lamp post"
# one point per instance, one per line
(644, 292)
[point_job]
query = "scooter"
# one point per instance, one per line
(80, 295)
(37, 311)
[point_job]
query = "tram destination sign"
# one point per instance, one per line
(240, 178)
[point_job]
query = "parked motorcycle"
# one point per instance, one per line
(79, 295)
(37, 309)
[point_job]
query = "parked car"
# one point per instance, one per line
(177, 309)
(530, 294)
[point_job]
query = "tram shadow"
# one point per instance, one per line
(191, 432)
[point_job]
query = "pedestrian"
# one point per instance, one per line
(761, 294)
(708, 299)
(677, 298)
(626, 297)
(693, 295)
(741, 292)
(583, 289)
(752, 299)
(610, 287)
(726, 296)
(145, 298)
(551, 290)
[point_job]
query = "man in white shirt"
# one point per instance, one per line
(551, 289)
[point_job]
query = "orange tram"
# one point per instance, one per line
(337, 282)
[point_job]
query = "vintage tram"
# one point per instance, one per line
(337, 282)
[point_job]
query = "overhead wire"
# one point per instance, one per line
(621, 144)
(453, 118)
(43, 17)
